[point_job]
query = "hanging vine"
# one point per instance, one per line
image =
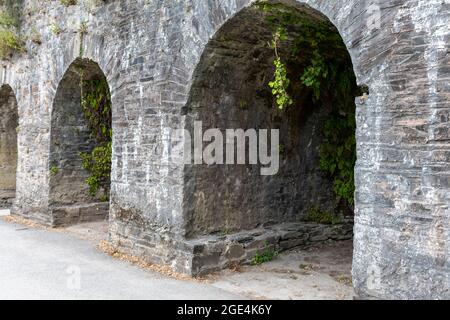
(320, 56)
(281, 82)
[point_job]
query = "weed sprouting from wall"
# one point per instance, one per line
(10, 19)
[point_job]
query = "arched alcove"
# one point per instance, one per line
(9, 122)
(80, 153)
(306, 198)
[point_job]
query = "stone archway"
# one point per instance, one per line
(235, 204)
(9, 123)
(80, 152)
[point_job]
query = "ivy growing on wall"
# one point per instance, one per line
(281, 82)
(312, 60)
(96, 105)
(10, 18)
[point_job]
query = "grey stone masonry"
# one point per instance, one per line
(151, 51)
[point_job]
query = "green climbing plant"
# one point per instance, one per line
(338, 150)
(10, 16)
(314, 62)
(315, 73)
(281, 82)
(98, 164)
(96, 105)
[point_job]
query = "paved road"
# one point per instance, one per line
(39, 264)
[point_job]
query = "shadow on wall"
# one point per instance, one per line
(231, 91)
(9, 123)
(80, 160)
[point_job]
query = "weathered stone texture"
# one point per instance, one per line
(149, 51)
(213, 253)
(230, 91)
(69, 196)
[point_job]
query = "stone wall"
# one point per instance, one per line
(8, 146)
(149, 51)
(70, 135)
(69, 196)
(231, 91)
(216, 252)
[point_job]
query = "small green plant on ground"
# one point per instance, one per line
(317, 215)
(267, 255)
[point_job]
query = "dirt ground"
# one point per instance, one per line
(317, 273)
(92, 231)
